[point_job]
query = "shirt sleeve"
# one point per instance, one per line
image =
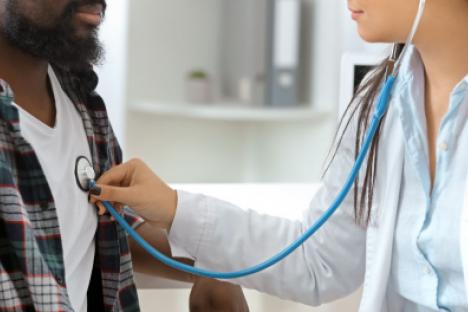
(132, 218)
(193, 217)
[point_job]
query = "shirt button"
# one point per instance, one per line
(443, 146)
(427, 270)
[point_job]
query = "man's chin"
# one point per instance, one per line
(70, 43)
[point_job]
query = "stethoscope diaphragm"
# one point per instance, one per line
(84, 173)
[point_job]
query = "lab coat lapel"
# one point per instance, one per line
(380, 233)
(464, 236)
(464, 226)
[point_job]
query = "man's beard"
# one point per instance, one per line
(58, 44)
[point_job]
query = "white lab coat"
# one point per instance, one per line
(332, 264)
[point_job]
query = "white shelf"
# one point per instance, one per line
(230, 111)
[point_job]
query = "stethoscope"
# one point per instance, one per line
(84, 173)
(85, 177)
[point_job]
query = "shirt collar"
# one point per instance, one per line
(411, 68)
(465, 81)
(6, 92)
(8, 112)
(461, 87)
(409, 85)
(412, 73)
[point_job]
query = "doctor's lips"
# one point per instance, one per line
(356, 14)
(91, 14)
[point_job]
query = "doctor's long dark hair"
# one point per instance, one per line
(360, 111)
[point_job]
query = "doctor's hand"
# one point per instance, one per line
(134, 184)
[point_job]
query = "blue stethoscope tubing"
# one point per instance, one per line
(380, 110)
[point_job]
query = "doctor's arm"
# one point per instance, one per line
(144, 263)
(206, 294)
(222, 237)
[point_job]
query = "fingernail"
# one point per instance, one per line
(96, 191)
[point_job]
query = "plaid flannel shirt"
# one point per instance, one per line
(32, 273)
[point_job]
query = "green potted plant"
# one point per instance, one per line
(198, 87)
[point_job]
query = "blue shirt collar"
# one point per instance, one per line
(412, 69)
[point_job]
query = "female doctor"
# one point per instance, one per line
(402, 233)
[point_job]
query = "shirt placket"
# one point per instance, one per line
(444, 152)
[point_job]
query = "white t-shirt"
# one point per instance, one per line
(57, 150)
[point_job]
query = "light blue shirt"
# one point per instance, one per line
(427, 268)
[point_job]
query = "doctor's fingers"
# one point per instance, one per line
(127, 174)
(118, 175)
(121, 195)
(102, 209)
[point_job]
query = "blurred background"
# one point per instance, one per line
(232, 95)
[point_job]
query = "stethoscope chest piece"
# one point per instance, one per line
(84, 173)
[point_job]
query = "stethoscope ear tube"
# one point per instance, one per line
(382, 107)
(409, 39)
(384, 100)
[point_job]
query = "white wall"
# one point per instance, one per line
(184, 150)
(162, 50)
(167, 40)
(112, 83)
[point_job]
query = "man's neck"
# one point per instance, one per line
(27, 76)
